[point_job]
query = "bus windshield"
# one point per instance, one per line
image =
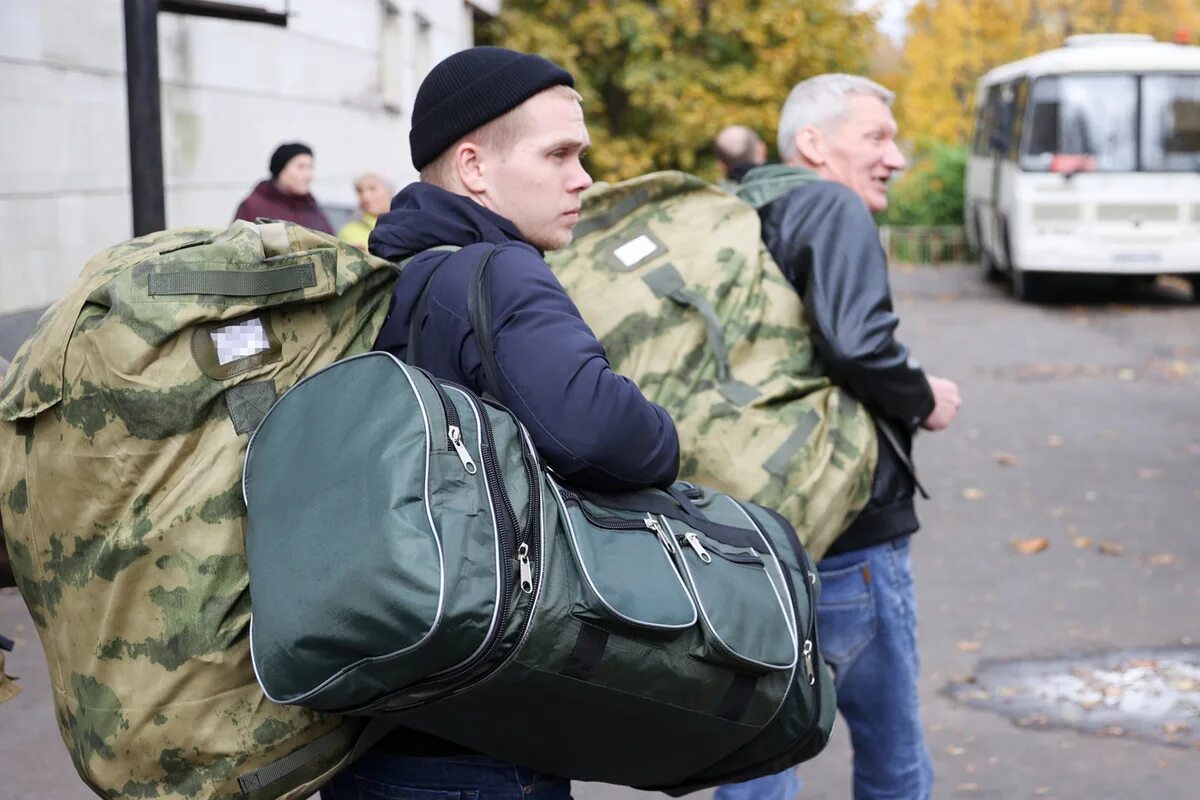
(1091, 123)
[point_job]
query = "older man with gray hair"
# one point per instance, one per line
(837, 139)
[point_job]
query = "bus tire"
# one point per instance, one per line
(987, 265)
(1194, 280)
(1028, 287)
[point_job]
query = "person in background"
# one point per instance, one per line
(374, 198)
(739, 150)
(285, 194)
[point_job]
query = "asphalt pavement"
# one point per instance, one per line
(1055, 570)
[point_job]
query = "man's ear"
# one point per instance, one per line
(810, 144)
(468, 162)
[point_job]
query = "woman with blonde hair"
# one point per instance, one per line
(374, 198)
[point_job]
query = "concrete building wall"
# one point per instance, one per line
(340, 77)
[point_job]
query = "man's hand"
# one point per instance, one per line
(945, 404)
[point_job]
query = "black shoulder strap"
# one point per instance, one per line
(479, 308)
(412, 349)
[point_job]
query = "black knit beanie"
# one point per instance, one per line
(471, 88)
(285, 153)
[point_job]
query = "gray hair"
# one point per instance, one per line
(821, 102)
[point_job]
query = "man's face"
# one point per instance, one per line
(297, 176)
(373, 196)
(860, 151)
(537, 182)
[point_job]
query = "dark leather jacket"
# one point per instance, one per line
(827, 244)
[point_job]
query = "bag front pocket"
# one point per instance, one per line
(628, 577)
(742, 611)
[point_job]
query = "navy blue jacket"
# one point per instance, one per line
(591, 425)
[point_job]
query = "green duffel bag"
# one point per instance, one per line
(410, 557)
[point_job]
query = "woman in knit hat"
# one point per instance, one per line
(285, 194)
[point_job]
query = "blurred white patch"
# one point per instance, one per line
(241, 340)
(635, 250)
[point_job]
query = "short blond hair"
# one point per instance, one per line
(499, 134)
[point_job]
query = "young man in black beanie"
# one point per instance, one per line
(497, 136)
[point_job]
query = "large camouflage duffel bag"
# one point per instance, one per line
(709, 328)
(124, 420)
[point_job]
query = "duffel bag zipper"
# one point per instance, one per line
(525, 551)
(692, 540)
(454, 440)
(811, 650)
(647, 523)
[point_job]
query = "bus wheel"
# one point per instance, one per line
(987, 265)
(1028, 287)
(1194, 280)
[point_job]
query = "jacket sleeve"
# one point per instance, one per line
(832, 255)
(589, 423)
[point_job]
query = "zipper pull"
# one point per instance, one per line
(693, 539)
(455, 437)
(663, 539)
(526, 569)
(808, 662)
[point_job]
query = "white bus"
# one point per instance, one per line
(1086, 159)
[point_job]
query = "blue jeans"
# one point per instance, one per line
(782, 786)
(867, 620)
(378, 776)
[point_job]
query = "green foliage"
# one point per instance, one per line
(660, 78)
(930, 192)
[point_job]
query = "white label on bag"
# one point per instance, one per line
(635, 250)
(242, 340)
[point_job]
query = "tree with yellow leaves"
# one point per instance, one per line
(659, 79)
(952, 43)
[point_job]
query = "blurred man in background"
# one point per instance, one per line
(739, 150)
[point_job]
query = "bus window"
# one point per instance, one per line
(1020, 94)
(1171, 123)
(979, 145)
(1083, 115)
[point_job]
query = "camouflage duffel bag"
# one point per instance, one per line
(124, 421)
(709, 328)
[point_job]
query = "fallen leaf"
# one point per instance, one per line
(1110, 549)
(1083, 541)
(1176, 728)
(1112, 730)
(1113, 691)
(1030, 545)
(1126, 374)
(1185, 685)
(1054, 441)
(1179, 368)
(1041, 790)
(968, 787)
(1149, 473)
(993, 760)
(972, 493)
(968, 646)
(1141, 663)
(955, 751)
(1162, 559)
(1005, 459)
